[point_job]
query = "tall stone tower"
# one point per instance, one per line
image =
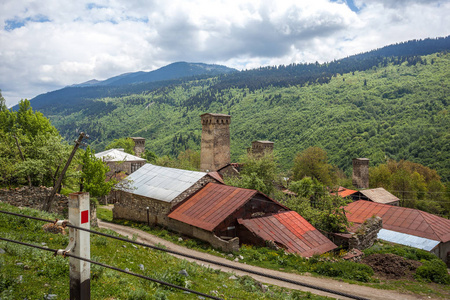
(215, 148)
(139, 146)
(360, 177)
(259, 148)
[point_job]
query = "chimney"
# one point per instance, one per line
(360, 177)
(215, 148)
(139, 146)
(259, 148)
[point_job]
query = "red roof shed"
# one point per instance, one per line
(291, 231)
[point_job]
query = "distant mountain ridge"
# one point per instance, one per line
(172, 71)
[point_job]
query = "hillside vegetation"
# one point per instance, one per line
(396, 109)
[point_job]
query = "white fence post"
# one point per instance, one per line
(79, 215)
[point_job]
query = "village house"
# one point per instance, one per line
(159, 189)
(227, 213)
(405, 226)
(119, 161)
(377, 195)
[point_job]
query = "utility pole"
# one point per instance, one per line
(48, 202)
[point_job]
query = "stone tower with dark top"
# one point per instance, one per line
(360, 177)
(259, 148)
(215, 148)
(139, 146)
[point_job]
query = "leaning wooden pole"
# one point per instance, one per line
(48, 202)
(23, 158)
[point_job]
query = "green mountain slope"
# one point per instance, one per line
(398, 109)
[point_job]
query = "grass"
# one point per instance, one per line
(31, 273)
(326, 265)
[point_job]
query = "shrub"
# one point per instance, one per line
(433, 270)
(345, 269)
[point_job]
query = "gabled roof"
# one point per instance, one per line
(117, 155)
(344, 192)
(401, 219)
(379, 195)
(216, 176)
(292, 231)
(212, 205)
(161, 183)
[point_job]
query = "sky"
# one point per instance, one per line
(48, 44)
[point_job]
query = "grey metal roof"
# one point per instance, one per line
(162, 183)
(117, 155)
(407, 239)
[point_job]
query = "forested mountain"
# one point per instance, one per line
(381, 105)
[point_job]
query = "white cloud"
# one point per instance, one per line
(52, 43)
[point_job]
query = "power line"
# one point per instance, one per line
(114, 268)
(204, 260)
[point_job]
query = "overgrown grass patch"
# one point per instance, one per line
(31, 273)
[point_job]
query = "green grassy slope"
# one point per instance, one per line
(394, 111)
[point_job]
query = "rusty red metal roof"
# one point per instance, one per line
(401, 219)
(216, 176)
(292, 231)
(211, 205)
(344, 192)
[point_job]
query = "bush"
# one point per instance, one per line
(345, 269)
(433, 270)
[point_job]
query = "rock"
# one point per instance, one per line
(51, 297)
(241, 257)
(141, 266)
(184, 273)
(43, 244)
(230, 255)
(232, 277)
(126, 269)
(2, 251)
(19, 264)
(200, 297)
(236, 259)
(134, 246)
(124, 246)
(180, 239)
(20, 278)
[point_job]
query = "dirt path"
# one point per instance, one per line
(361, 291)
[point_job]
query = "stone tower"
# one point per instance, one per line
(215, 148)
(360, 177)
(139, 146)
(259, 148)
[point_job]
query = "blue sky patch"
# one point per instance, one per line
(17, 22)
(349, 3)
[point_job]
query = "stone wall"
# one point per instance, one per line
(134, 207)
(366, 234)
(34, 197)
(231, 245)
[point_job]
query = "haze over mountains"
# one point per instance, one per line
(389, 103)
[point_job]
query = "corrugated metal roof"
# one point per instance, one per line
(379, 195)
(407, 239)
(117, 155)
(401, 219)
(216, 176)
(291, 230)
(211, 205)
(344, 192)
(162, 183)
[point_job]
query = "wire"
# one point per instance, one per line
(114, 268)
(207, 260)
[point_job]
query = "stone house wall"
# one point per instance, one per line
(231, 245)
(34, 197)
(134, 207)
